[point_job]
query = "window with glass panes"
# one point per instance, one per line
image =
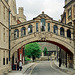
(42, 24)
(29, 29)
(48, 27)
(36, 27)
(69, 12)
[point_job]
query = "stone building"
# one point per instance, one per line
(68, 17)
(51, 48)
(8, 16)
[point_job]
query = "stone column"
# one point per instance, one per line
(58, 30)
(39, 26)
(46, 28)
(71, 34)
(19, 32)
(51, 27)
(65, 31)
(33, 29)
(26, 30)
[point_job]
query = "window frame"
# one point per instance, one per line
(55, 29)
(23, 29)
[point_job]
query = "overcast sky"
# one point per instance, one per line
(32, 8)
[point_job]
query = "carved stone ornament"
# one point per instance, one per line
(42, 36)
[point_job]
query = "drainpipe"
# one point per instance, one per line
(9, 33)
(66, 59)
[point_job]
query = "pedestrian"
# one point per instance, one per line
(59, 62)
(20, 65)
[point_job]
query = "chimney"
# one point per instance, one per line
(20, 10)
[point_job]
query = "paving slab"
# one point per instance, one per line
(63, 68)
(25, 67)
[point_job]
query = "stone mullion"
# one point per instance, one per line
(26, 30)
(58, 30)
(46, 28)
(51, 27)
(65, 32)
(19, 32)
(39, 26)
(33, 29)
(71, 34)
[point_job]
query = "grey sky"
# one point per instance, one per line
(32, 8)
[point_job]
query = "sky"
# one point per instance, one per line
(32, 8)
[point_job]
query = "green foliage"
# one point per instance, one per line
(45, 51)
(32, 50)
(27, 59)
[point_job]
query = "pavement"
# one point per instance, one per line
(69, 71)
(24, 69)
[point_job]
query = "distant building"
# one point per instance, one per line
(50, 47)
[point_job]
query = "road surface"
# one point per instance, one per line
(44, 68)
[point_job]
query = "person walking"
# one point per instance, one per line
(59, 62)
(20, 65)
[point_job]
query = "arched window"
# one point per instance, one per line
(48, 27)
(68, 33)
(62, 31)
(55, 29)
(23, 31)
(29, 29)
(16, 33)
(42, 24)
(36, 27)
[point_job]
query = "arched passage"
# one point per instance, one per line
(61, 46)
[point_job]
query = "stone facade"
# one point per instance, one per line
(43, 34)
(5, 7)
(49, 46)
(4, 34)
(68, 17)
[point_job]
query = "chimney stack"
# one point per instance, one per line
(20, 10)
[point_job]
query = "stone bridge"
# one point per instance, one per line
(42, 29)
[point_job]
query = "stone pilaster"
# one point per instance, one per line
(59, 30)
(68, 60)
(74, 47)
(39, 26)
(46, 28)
(26, 30)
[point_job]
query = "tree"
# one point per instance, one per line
(45, 51)
(32, 50)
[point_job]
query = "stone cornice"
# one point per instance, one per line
(69, 3)
(4, 49)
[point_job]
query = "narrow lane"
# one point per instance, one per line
(45, 68)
